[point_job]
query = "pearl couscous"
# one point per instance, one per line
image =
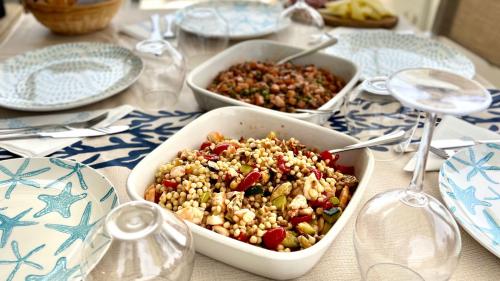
(268, 192)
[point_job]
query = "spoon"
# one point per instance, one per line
(306, 52)
(394, 136)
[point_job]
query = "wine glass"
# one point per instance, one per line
(406, 234)
(201, 33)
(164, 71)
(372, 112)
(306, 28)
(138, 241)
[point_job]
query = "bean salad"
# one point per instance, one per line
(285, 87)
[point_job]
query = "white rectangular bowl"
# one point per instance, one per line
(201, 77)
(248, 122)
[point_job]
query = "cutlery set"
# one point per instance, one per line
(87, 128)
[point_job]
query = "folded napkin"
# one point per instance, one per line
(44, 146)
(139, 31)
(452, 128)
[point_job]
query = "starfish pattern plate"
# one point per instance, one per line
(66, 76)
(469, 183)
(47, 207)
(245, 20)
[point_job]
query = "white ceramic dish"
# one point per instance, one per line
(66, 76)
(47, 207)
(250, 122)
(199, 79)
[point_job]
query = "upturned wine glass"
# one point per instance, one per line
(307, 25)
(138, 241)
(404, 233)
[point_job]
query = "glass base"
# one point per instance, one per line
(406, 235)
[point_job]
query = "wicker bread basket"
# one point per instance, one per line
(69, 18)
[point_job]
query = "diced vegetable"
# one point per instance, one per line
(221, 148)
(205, 197)
(205, 145)
(290, 240)
(249, 180)
(317, 173)
(299, 219)
(279, 202)
(245, 169)
(273, 237)
(254, 190)
(305, 228)
(281, 165)
(169, 183)
(332, 215)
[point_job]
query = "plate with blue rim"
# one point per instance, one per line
(245, 19)
(47, 207)
(66, 76)
(382, 53)
(469, 183)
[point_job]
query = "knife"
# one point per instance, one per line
(73, 133)
(451, 144)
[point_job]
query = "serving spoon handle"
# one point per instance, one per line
(306, 52)
(394, 136)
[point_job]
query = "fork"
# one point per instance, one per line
(169, 33)
(79, 124)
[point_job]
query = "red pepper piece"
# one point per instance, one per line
(220, 148)
(317, 173)
(329, 158)
(205, 145)
(211, 157)
(242, 237)
(248, 181)
(326, 155)
(348, 170)
(327, 205)
(228, 178)
(299, 219)
(169, 183)
(273, 237)
(316, 203)
(281, 165)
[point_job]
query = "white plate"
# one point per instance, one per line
(264, 50)
(381, 53)
(47, 206)
(246, 20)
(66, 76)
(248, 122)
(469, 183)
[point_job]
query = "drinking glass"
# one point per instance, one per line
(163, 76)
(201, 33)
(306, 26)
(406, 234)
(138, 241)
(372, 114)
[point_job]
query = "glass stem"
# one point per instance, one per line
(416, 184)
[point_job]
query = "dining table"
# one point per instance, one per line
(116, 155)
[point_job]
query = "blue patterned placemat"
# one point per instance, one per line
(150, 130)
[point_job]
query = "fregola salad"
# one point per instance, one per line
(269, 192)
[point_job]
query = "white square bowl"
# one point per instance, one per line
(201, 77)
(236, 122)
